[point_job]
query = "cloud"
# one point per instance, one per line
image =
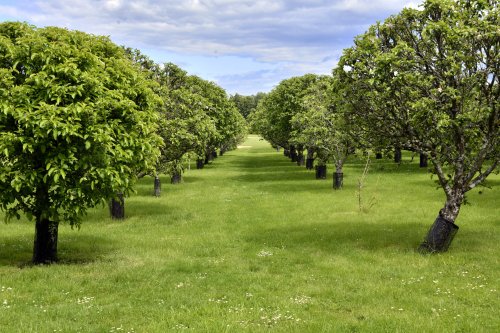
(289, 34)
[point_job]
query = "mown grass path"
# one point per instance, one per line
(253, 243)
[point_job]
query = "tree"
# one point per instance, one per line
(246, 104)
(429, 79)
(77, 122)
(272, 118)
(186, 127)
(229, 123)
(323, 128)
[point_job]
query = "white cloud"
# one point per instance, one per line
(292, 34)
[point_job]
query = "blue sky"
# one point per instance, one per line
(245, 46)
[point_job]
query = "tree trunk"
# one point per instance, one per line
(176, 178)
(378, 156)
(157, 190)
(293, 154)
(397, 155)
(310, 163)
(117, 207)
(338, 179)
(199, 164)
(443, 230)
(207, 158)
(45, 244)
(214, 154)
(423, 161)
(320, 171)
(300, 158)
(310, 159)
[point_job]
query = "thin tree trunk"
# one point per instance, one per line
(199, 163)
(157, 190)
(321, 172)
(45, 244)
(293, 153)
(176, 178)
(378, 156)
(338, 178)
(423, 161)
(117, 207)
(397, 155)
(310, 159)
(300, 156)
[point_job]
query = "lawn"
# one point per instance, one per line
(254, 243)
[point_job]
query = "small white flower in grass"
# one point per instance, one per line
(264, 253)
(301, 299)
(85, 299)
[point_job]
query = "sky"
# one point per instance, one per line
(245, 46)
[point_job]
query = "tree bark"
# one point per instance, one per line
(176, 178)
(397, 155)
(320, 171)
(214, 154)
(423, 161)
(338, 180)
(310, 163)
(199, 164)
(45, 244)
(444, 229)
(378, 156)
(310, 159)
(157, 190)
(286, 152)
(300, 158)
(293, 153)
(117, 207)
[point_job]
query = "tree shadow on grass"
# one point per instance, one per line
(339, 237)
(274, 176)
(74, 249)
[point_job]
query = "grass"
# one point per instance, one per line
(253, 243)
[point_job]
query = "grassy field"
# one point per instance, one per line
(253, 243)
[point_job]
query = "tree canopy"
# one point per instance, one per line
(77, 122)
(428, 79)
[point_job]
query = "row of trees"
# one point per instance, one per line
(81, 118)
(424, 80)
